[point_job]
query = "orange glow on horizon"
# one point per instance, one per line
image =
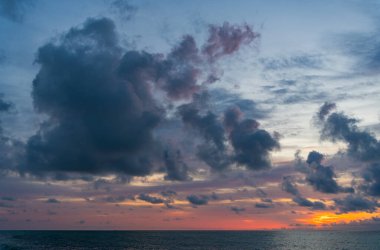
(328, 218)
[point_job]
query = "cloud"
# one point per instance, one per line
(15, 10)
(169, 193)
(325, 109)
(52, 200)
(337, 126)
(115, 199)
(223, 99)
(101, 111)
(237, 210)
(150, 199)
(8, 198)
(186, 65)
(124, 9)
(289, 186)
(208, 124)
(303, 202)
(363, 48)
(11, 150)
(100, 107)
(81, 222)
(321, 178)
(176, 168)
(371, 176)
(198, 200)
(251, 144)
(227, 39)
(167, 200)
(4, 105)
(201, 199)
(355, 203)
(362, 145)
(264, 205)
(297, 61)
(180, 72)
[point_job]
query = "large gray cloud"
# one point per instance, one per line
(100, 107)
(101, 112)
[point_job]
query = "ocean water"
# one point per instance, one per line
(76, 240)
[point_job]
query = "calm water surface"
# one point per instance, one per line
(189, 240)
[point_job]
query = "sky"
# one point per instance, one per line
(223, 115)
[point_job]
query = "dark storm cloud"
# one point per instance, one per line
(227, 39)
(176, 168)
(15, 10)
(252, 145)
(314, 157)
(101, 112)
(362, 145)
(356, 203)
(124, 9)
(337, 126)
(150, 199)
(320, 177)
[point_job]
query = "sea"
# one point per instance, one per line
(285, 239)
